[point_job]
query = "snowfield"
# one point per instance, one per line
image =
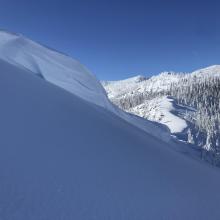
(163, 110)
(64, 157)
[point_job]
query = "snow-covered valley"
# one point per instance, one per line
(67, 153)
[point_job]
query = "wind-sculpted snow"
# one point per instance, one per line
(62, 157)
(66, 73)
(55, 67)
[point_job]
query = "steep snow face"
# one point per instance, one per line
(66, 73)
(54, 67)
(65, 158)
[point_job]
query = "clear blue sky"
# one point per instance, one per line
(119, 39)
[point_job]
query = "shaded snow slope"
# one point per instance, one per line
(66, 73)
(64, 158)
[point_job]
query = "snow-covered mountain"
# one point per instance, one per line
(64, 157)
(140, 84)
(142, 96)
(184, 102)
(139, 95)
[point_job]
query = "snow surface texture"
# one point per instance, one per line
(66, 73)
(62, 157)
(161, 108)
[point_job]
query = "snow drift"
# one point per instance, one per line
(66, 73)
(55, 67)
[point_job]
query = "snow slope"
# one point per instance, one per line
(163, 110)
(62, 157)
(66, 73)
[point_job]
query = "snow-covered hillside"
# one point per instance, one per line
(63, 157)
(139, 95)
(187, 103)
(66, 73)
(213, 71)
(146, 97)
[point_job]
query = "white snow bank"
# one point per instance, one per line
(66, 73)
(55, 67)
